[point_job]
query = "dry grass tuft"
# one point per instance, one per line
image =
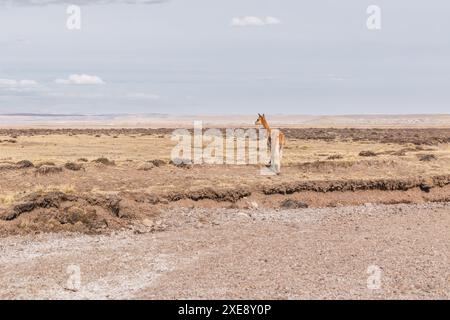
(335, 157)
(367, 154)
(73, 166)
(427, 157)
(24, 164)
(146, 166)
(45, 163)
(105, 161)
(45, 169)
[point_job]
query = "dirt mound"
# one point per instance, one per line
(24, 164)
(101, 213)
(58, 211)
(441, 181)
(229, 194)
(110, 202)
(36, 200)
(7, 166)
(353, 185)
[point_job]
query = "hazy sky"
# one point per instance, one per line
(225, 56)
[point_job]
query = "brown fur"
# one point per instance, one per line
(262, 121)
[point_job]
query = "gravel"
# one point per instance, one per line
(364, 252)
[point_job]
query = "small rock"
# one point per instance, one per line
(254, 205)
(293, 204)
(243, 214)
(199, 225)
(181, 163)
(147, 223)
(425, 187)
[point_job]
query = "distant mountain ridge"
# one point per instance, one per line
(26, 114)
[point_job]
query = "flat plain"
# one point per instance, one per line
(343, 192)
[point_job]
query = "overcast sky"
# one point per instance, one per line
(225, 56)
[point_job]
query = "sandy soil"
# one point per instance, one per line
(280, 254)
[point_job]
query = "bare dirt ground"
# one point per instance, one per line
(251, 254)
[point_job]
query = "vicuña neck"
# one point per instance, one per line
(265, 124)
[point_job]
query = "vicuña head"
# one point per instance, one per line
(261, 119)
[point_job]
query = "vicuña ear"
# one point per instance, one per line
(259, 115)
(264, 115)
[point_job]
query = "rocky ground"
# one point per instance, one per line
(361, 252)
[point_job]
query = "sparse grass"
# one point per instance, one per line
(48, 169)
(326, 160)
(62, 148)
(73, 166)
(367, 153)
(45, 163)
(65, 188)
(105, 161)
(12, 197)
(335, 157)
(7, 199)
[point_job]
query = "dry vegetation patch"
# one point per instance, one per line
(105, 161)
(73, 166)
(48, 169)
(320, 167)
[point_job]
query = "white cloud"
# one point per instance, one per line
(81, 79)
(12, 85)
(251, 21)
(272, 20)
